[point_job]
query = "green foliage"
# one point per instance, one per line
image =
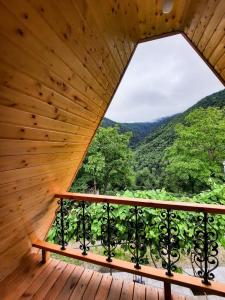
(139, 129)
(216, 194)
(109, 163)
(198, 151)
(149, 155)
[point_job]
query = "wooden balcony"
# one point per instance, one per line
(39, 277)
(58, 280)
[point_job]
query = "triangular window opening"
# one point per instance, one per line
(165, 85)
(174, 106)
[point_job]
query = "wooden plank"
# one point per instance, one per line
(32, 68)
(115, 289)
(127, 291)
(38, 25)
(210, 30)
(16, 99)
(93, 17)
(18, 174)
(206, 15)
(35, 285)
(7, 115)
(139, 292)
(151, 293)
(60, 282)
(216, 288)
(166, 204)
(16, 277)
(92, 287)
(178, 297)
(10, 131)
(82, 284)
(48, 283)
(161, 294)
(10, 162)
(24, 280)
(92, 42)
(53, 16)
(19, 81)
(70, 284)
(18, 147)
(217, 49)
(193, 19)
(104, 288)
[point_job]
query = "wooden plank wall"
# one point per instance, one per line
(60, 63)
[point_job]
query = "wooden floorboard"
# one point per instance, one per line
(59, 280)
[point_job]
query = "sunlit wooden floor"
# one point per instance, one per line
(59, 280)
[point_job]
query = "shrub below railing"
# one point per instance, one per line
(146, 229)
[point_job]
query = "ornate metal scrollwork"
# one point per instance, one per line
(62, 223)
(205, 251)
(109, 232)
(168, 241)
(83, 231)
(137, 241)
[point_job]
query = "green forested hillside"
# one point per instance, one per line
(181, 153)
(149, 162)
(139, 129)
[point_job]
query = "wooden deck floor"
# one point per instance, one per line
(59, 280)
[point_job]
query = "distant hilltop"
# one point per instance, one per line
(142, 130)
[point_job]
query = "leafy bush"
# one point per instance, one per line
(185, 220)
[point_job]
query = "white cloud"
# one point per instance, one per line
(165, 76)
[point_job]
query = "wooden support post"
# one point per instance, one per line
(167, 291)
(45, 256)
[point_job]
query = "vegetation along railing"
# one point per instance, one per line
(139, 222)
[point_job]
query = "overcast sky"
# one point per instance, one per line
(164, 77)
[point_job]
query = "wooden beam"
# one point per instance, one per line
(215, 288)
(163, 204)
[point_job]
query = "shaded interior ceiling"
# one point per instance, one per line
(60, 64)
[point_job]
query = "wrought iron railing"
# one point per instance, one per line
(204, 254)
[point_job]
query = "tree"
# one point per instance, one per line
(198, 151)
(109, 162)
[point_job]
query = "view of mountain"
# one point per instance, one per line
(160, 133)
(151, 139)
(140, 130)
(149, 153)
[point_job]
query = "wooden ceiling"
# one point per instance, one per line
(60, 64)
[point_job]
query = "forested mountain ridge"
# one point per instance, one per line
(139, 129)
(149, 153)
(182, 153)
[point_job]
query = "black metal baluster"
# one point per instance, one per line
(61, 223)
(168, 241)
(137, 242)
(109, 232)
(83, 231)
(205, 250)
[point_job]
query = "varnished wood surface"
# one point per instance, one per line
(60, 64)
(215, 287)
(61, 281)
(163, 204)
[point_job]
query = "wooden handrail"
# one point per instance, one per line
(164, 204)
(215, 288)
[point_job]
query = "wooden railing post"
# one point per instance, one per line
(45, 255)
(167, 291)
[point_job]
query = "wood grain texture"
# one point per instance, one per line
(60, 64)
(59, 280)
(215, 288)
